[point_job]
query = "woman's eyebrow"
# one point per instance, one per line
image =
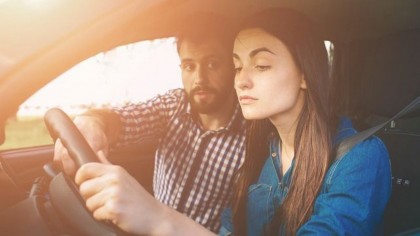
(255, 52)
(258, 50)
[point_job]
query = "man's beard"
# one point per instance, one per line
(207, 107)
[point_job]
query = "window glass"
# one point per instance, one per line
(128, 73)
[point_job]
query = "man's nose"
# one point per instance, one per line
(201, 75)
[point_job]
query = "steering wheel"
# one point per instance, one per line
(64, 194)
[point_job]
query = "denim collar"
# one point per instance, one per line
(345, 129)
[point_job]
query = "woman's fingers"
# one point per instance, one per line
(104, 212)
(99, 183)
(88, 171)
(111, 194)
(105, 197)
(102, 187)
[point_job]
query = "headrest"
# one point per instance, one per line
(391, 75)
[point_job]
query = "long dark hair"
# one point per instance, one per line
(313, 145)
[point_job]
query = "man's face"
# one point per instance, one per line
(207, 74)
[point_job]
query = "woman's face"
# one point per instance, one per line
(268, 82)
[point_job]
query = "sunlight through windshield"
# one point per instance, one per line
(133, 72)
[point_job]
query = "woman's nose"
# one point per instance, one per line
(242, 80)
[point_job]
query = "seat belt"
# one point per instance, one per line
(351, 141)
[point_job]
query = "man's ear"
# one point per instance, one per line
(303, 82)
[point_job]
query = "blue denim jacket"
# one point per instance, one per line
(352, 200)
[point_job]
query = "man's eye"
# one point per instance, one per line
(262, 68)
(187, 66)
(213, 65)
(238, 69)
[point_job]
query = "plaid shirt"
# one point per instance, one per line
(193, 167)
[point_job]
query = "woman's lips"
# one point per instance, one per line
(245, 99)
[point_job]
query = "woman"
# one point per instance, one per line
(290, 182)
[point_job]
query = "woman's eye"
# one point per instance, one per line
(238, 69)
(262, 68)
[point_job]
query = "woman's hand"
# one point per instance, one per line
(111, 194)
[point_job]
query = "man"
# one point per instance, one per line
(200, 128)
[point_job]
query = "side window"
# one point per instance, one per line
(128, 73)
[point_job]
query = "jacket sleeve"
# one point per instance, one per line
(227, 225)
(355, 192)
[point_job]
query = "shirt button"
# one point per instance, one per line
(273, 154)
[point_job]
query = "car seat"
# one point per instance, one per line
(390, 80)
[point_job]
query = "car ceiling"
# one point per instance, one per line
(39, 39)
(33, 25)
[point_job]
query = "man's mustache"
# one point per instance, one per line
(203, 89)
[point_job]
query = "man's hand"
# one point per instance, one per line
(94, 132)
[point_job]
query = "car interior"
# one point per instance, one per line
(375, 66)
(389, 81)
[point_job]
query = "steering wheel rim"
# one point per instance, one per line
(61, 126)
(64, 193)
